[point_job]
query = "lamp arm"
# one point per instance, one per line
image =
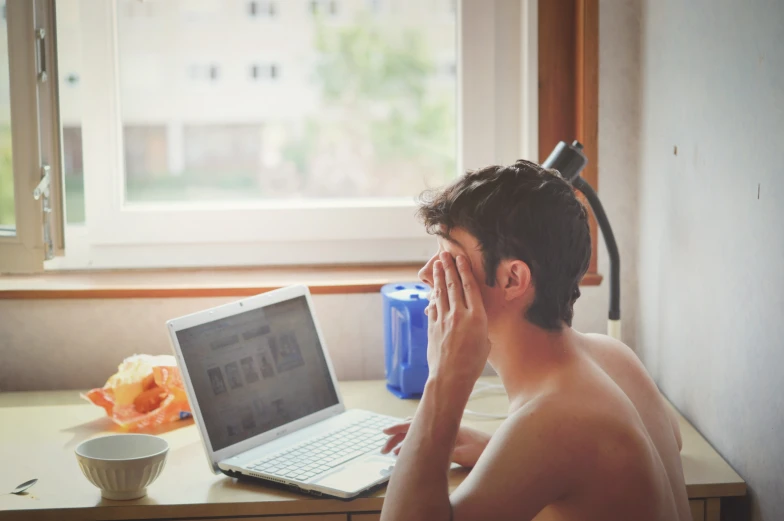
(614, 317)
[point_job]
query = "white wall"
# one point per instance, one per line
(711, 238)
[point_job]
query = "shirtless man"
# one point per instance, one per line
(588, 436)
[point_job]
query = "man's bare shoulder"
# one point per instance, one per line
(572, 431)
(551, 411)
(609, 346)
(618, 360)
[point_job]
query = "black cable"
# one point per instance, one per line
(609, 239)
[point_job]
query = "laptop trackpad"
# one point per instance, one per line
(358, 475)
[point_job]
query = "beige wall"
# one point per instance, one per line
(74, 344)
(77, 344)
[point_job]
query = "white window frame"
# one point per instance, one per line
(497, 71)
(34, 135)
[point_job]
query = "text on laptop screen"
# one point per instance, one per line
(258, 370)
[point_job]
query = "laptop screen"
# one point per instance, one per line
(258, 370)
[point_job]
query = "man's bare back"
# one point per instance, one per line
(626, 459)
(621, 387)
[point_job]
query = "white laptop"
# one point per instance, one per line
(265, 398)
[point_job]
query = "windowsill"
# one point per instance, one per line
(219, 282)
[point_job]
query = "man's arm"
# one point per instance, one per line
(419, 487)
(535, 459)
(457, 349)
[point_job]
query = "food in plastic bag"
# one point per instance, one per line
(146, 391)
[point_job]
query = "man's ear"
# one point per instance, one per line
(515, 279)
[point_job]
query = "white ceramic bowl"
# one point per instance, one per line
(122, 465)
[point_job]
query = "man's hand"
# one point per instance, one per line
(457, 325)
(469, 444)
(457, 349)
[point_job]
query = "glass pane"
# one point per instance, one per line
(7, 209)
(69, 54)
(282, 99)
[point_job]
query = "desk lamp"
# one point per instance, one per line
(569, 160)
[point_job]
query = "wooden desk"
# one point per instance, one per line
(39, 432)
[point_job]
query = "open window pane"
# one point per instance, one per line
(7, 207)
(30, 230)
(73, 174)
(70, 58)
(329, 100)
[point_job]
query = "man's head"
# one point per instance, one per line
(525, 233)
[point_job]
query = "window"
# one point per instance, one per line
(260, 8)
(198, 11)
(28, 148)
(199, 73)
(172, 157)
(268, 71)
(7, 208)
(73, 174)
(446, 68)
(140, 9)
(375, 6)
(324, 7)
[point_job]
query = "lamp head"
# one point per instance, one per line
(569, 160)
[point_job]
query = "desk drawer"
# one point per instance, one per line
(375, 516)
(697, 507)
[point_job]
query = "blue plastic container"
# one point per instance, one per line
(405, 337)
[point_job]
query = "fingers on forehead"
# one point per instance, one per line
(438, 270)
(447, 258)
(449, 266)
(469, 281)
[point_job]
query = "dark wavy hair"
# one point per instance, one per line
(525, 212)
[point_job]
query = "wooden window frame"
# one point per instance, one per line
(568, 53)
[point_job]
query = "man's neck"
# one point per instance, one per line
(525, 356)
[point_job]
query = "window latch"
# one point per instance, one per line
(41, 193)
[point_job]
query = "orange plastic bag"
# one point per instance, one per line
(145, 392)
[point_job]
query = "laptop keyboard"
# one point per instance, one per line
(317, 455)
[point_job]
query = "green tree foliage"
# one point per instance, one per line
(377, 86)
